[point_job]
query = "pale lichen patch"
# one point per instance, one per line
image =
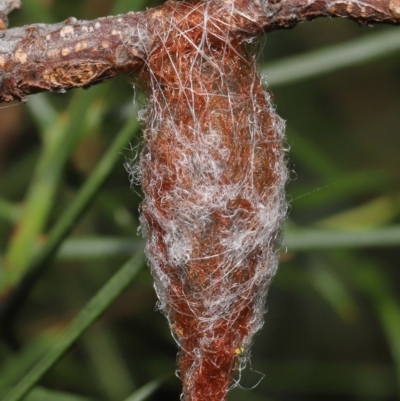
(85, 28)
(91, 29)
(115, 32)
(394, 7)
(21, 56)
(105, 45)
(48, 37)
(78, 47)
(70, 20)
(67, 31)
(121, 55)
(97, 25)
(65, 51)
(52, 53)
(2, 62)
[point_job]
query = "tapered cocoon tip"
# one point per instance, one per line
(213, 175)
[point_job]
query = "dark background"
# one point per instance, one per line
(332, 331)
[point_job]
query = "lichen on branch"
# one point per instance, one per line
(69, 54)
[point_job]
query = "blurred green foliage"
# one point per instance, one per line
(332, 331)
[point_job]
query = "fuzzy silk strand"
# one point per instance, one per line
(213, 175)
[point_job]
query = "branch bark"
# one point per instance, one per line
(70, 54)
(288, 13)
(76, 53)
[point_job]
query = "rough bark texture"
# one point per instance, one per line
(81, 53)
(287, 13)
(69, 54)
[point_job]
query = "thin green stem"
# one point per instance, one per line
(375, 283)
(146, 391)
(295, 239)
(101, 301)
(309, 239)
(333, 58)
(65, 223)
(92, 248)
(60, 140)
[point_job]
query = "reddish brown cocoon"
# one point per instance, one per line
(213, 175)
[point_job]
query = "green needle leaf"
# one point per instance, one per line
(146, 391)
(104, 298)
(69, 218)
(326, 60)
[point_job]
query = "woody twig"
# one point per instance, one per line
(74, 53)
